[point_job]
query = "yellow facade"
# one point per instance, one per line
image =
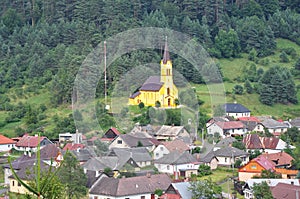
(158, 88)
(16, 187)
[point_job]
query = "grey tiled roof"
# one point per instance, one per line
(229, 152)
(169, 130)
(130, 186)
(153, 83)
(176, 157)
(271, 123)
(139, 154)
(132, 141)
(235, 108)
(295, 122)
(208, 157)
(225, 142)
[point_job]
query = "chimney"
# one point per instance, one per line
(148, 175)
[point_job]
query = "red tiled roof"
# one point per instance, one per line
(283, 190)
(29, 141)
(269, 142)
(6, 140)
(253, 119)
(265, 163)
(115, 130)
(230, 125)
(72, 146)
(282, 157)
(170, 196)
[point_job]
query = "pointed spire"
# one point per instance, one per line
(166, 53)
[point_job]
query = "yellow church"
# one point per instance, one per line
(158, 88)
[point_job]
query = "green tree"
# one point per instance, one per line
(248, 87)
(262, 191)
(283, 57)
(228, 43)
(72, 176)
(101, 147)
(238, 89)
(205, 189)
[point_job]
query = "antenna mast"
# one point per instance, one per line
(105, 92)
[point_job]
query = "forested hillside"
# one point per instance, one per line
(43, 43)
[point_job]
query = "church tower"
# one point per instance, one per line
(166, 74)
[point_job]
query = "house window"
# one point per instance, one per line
(225, 159)
(253, 166)
(19, 184)
(119, 142)
(13, 183)
(143, 197)
(168, 167)
(157, 154)
(161, 148)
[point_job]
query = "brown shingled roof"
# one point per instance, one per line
(287, 191)
(280, 159)
(230, 125)
(177, 144)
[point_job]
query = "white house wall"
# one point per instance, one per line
(160, 151)
(237, 115)
(6, 147)
(171, 169)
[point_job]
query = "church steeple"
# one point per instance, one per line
(166, 57)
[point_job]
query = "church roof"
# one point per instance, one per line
(166, 53)
(152, 84)
(134, 95)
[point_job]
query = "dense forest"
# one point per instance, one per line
(43, 43)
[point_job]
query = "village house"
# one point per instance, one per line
(228, 155)
(6, 144)
(30, 143)
(167, 147)
(178, 190)
(281, 159)
(226, 129)
(129, 141)
(208, 159)
(178, 163)
(255, 168)
(275, 127)
(140, 187)
(265, 144)
(248, 187)
(167, 133)
(252, 124)
(236, 110)
(110, 135)
(70, 137)
(295, 123)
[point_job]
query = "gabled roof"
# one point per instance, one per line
(235, 108)
(295, 122)
(176, 158)
(250, 125)
(288, 191)
(130, 186)
(280, 158)
(208, 157)
(250, 119)
(230, 125)
(271, 182)
(169, 130)
(82, 155)
(225, 142)
(134, 95)
(229, 152)
(30, 141)
(252, 141)
(6, 140)
(183, 189)
(132, 141)
(153, 83)
(265, 163)
(269, 142)
(139, 154)
(176, 145)
(273, 124)
(73, 146)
